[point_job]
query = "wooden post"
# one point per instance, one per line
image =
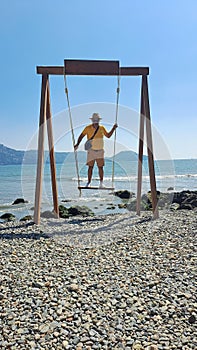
(140, 153)
(150, 148)
(40, 161)
(51, 152)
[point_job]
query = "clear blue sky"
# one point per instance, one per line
(158, 34)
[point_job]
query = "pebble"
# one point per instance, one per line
(65, 344)
(113, 282)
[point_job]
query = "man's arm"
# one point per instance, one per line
(81, 136)
(110, 133)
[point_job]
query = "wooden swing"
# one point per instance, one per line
(117, 71)
(92, 67)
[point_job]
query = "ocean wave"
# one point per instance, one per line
(5, 206)
(134, 178)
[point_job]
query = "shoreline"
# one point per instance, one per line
(106, 282)
(119, 202)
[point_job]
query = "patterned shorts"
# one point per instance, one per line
(95, 156)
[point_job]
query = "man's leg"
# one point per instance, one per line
(100, 168)
(90, 169)
(90, 163)
(100, 164)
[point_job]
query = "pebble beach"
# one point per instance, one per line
(106, 282)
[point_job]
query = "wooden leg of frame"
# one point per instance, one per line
(52, 153)
(150, 149)
(140, 153)
(40, 161)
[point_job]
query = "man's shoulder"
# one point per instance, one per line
(87, 127)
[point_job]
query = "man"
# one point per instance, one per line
(96, 152)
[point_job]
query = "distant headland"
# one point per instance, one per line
(10, 156)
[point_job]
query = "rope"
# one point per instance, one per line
(72, 132)
(116, 120)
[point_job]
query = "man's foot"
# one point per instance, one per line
(88, 184)
(101, 185)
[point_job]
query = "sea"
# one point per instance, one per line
(18, 181)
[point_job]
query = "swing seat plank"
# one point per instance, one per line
(96, 188)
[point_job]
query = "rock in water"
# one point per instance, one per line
(75, 210)
(80, 210)
(26, 218)
(63, 212)
(19, 201)
(124, 194)
(8, 217)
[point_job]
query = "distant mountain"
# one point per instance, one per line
(9, 156)
(126, 156)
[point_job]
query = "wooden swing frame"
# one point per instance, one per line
(91, 67)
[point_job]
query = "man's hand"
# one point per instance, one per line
(115, 126)
(81, 136)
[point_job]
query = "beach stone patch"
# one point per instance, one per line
(77, 290)
(19, 201)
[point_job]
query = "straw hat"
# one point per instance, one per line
(95, 117)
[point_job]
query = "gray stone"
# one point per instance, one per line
(48, 214)
(192, 319)
(175, 206)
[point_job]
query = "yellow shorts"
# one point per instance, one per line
(95, 156)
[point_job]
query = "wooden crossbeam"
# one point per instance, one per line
(91, 67)
(133, 71)
(124, 71)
